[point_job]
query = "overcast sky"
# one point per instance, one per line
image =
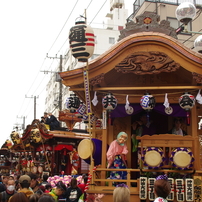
(29, 30)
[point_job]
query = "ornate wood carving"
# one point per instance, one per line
(97, 80)
(69, 118)
(147, 63)
(148, 22)
(197, 77)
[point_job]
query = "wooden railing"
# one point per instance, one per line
(105, 185)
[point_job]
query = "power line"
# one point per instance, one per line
(63, 25)
(98, 12)
(31, 86)
(67, 38)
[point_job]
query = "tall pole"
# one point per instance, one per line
(34, 104)
(34, 107)
(60, 86)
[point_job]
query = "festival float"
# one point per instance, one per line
(148, 70)
(40, 151)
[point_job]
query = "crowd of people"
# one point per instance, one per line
(30, 188)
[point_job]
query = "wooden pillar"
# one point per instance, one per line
(194, 132)
(104, 144)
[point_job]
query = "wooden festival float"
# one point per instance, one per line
(39, 150)
(145, 65)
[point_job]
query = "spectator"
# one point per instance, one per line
(34, 184)
(52, 121)
(59, 190)
(34, 198)
(46, 198)
(73, 192)
(161, 188)
(4, 183)
(19, 197)
(48, 188)
(121, 193)
(24, 181)
(10, 191)
(45, 178)
(82, 185)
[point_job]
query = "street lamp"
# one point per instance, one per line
(185, 12)
(198, 44)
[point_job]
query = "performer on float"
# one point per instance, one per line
(74, 159)
(116, 156)
(161, 188)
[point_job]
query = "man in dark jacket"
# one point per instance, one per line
(10, 191)
(73, 193)
(51, 121)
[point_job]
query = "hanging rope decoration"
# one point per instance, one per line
(89, 180)
(81, 39)
(147, 102)
(186, 101)
(109, 102)
(73, 103)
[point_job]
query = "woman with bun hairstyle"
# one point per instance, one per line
(161, 188)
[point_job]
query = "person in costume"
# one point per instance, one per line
(116, 156)
(74, 158)
(161, 188)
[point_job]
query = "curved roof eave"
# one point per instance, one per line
(139, 42)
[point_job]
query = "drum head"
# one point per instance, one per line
(182, 159)
(153, 158)
(85, 148)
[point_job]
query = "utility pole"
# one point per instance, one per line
(22, 117)
(60, 88)
(35, 97)
(59, 80)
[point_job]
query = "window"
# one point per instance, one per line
(95, 38)
(176, 24)
(111, 40)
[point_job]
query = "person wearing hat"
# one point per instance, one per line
(59, 190)
(25, 181)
